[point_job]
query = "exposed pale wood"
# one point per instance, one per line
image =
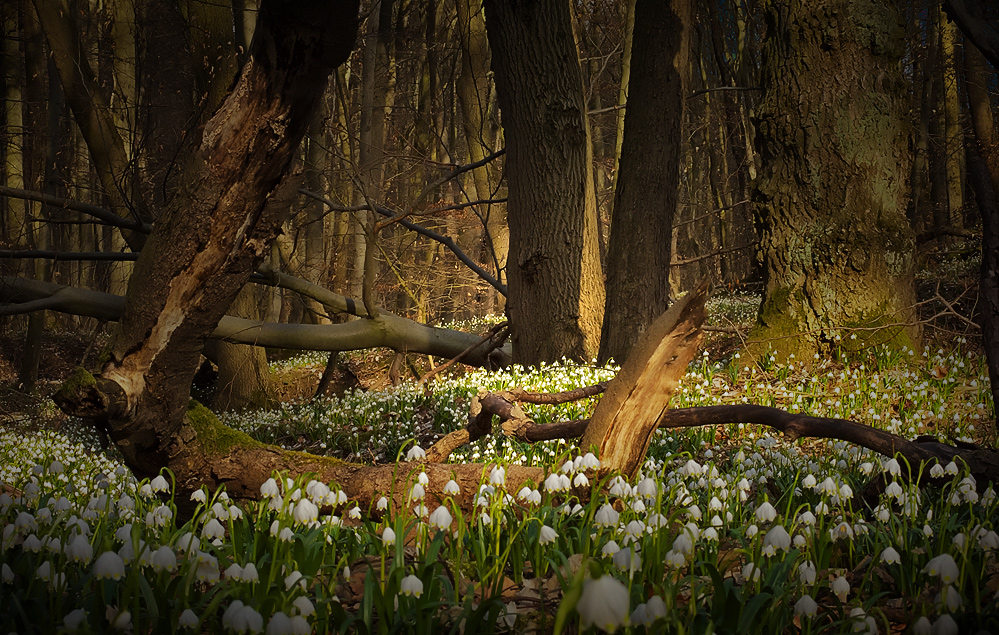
(626, 417)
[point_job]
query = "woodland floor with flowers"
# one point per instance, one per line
(727, 529)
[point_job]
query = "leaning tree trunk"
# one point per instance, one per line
(831, 195)
(556, 291)
(208, 240)
(647, 184)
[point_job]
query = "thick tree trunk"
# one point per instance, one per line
(986, 182)
(831, 196)
(556, 292)
(647, 182)
(207, 242)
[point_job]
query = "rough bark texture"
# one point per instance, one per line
(556, 292)
(207, 242)
(625, 419)
(647, 182)
(830, 200)
(985, 179)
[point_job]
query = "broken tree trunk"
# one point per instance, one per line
(626, 417)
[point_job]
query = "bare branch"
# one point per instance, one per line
(104, 215)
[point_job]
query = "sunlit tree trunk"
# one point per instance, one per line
(556, 291)
(647, 182)
(953, 141)
(831, 195)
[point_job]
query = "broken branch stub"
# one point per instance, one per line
(628, 414)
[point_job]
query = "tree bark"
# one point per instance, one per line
(830, 200)
(556, 292)
(647, 182)
(209, 239)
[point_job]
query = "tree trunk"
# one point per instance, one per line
(647, 182)
(835, 242)
(953, 141)
(208, 240)
(556, 291)
(986, 181)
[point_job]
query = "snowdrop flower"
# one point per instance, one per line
(627, 559)
(79, 550)
(441, 518)
(416, 453)
(807, 572)
(988, 540)
(810, 482)
(534, 497)
(691, 468)
(304, 606)
(208, 568)
(945, 625)
(821, 509)
(806, 606)
(776, 538)
(279, 624)
(213, 529)
(892, 467)
(497, 477)
(606, 516)
(388, 536)
(951, 469)
(234, 572)
(865, 622)
(382, 504)
(6, 574)
(199, 496)
(948, 598)
(411, 586)
(842, 530)
(604, 603)
(590, 462)
(250, 573)
(547, 535)
(806, 518)
(648, 488)
(160, 484)
(944, 567)
(74, 620)
(750, 572)
(242, 618)
(765, 512)
(109, 566)
(580, 480)
(187, 619)
(922, 626)
(294, 578)
(417, 492)
(694, 512)
(452, 489)
(305, 512)
(44, 571)
(841, 588)
(828, 487)
(936, 471)
(890, 556)
(355, 512)
(751, 531)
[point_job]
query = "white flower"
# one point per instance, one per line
(892, 467)
(864, 622)
(890, 556)
(547, 535)
(79, 549)
(842, 530)
(841, 587)
(553, 483)
(806, 606)
(159, 484)
(411, 586)
(417, 493)
(241, 618)
(810, 482)
(580, 480)
(388, 536)
(922, 625)
(610, 548)
(691, 468)
(452, 489)
(416, 453)
(109, 566)
(441, 518)
(589, 462)
(604, 602)
(250, 573)
(213, 529)
(943, 566)
(355, 512)
(776, 538)
(164, 559)
(606, 516)
(74, 620)
(208, 568)
(7, 574)
(234, 572)
(497, 477)
(936, 471)
(807, 572)
(765, 512)
(305, 512)
(304, 606)
(293, 578)
(199, 496)
(187, 619)
(694, 512)
(945, 625)
(382, 504)
(949, 598)
(951, 468)
(751, 531)
(750, 572)
(279, 624)
(627, 559)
